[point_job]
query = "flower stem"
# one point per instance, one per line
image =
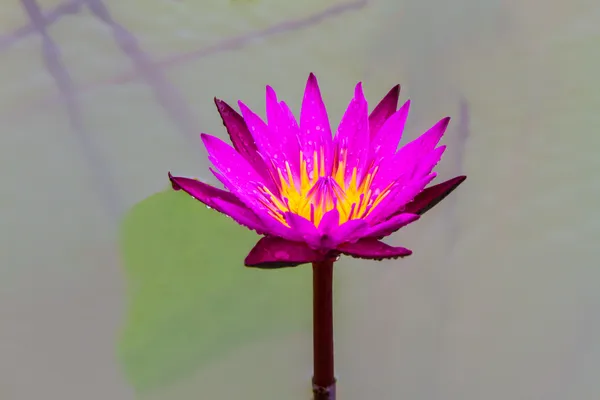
(324, 376)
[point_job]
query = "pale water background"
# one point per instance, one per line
(500, 299)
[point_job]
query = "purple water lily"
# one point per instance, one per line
(314, 195)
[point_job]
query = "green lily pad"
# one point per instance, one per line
(191, 300)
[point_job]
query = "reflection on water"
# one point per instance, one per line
(499, 299)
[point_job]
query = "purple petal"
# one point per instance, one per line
(273, 108)
(432, 137)
(220, 200)
(273, 252)
(240, 178)
(329, 222)
(372, 249)
(398, 198)
(238, 133)
(201, 191)
(406, 160)
(314, 125)
(283, 123)
(390, 226)
(237, 175)
(385, 143)
(428, 162)
(243, 141)
(386, 107)
(349, 231)
(304, 230)
(431, 196)
(272, 226)
(274, 142)
(353, 134)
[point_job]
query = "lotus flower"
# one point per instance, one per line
(314, 195)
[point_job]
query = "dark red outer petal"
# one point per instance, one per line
(373, 249)
(383, 110)
(274, 252)
(431, 196)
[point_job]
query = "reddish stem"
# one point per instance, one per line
(324, 376)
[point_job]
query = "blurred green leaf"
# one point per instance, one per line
(191, 299)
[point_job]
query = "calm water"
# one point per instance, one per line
(499, 301)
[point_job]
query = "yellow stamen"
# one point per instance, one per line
(311, 194)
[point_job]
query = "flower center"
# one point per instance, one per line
(315, 191)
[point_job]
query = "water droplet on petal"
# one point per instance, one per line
(282, 255)
(209, 207)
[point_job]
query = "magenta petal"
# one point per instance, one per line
(274, 252)
(283, 125)
(353, 134)
(372, 249)
(398, 198)
(220, 200)
(406, 160)
(273, 109)
(386, 107)
(385, 143)
(242, 215)
(304, 230)
(349, 231)
(432, 137)
(201, 191)
(314, 126)
(428, 162)
(329, 222)
(239, 134)
(431, 196)
(243, 141)
(275, 143)
(390, 226)
(238, 176)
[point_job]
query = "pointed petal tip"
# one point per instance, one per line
(206, 138)
(358, 90)
(223, 107)
(174, 183)
(391, 97)
(271, 93)
(433, 195)
(404, 110)
(312, 83)
(242, 106)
